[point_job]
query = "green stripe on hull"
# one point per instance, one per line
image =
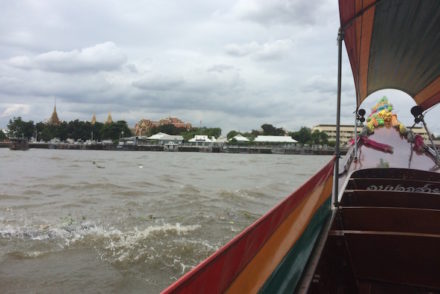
(285, 277)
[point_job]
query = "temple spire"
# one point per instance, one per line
(54, 120)
(109, 119)
(93, 119)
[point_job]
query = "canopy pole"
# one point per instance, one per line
(355, 135)
(437, 156)
(338, 122)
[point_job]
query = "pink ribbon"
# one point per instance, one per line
(376, 145)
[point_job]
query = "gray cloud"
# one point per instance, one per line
(267, 51)
(297, 12)
(327, 84)
(226, 63)
(100, 57)
(220, 68)
(160, 83)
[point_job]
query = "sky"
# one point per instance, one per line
(229, 64)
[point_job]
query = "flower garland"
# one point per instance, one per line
(382, 115)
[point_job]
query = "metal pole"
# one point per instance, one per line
(338, 121)
(437, 157)
(355, 136)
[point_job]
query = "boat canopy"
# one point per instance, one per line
(394, 44)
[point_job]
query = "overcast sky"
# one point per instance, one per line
(228, 64)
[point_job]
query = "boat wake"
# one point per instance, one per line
(161, 244)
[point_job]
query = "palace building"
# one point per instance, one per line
(145, 125)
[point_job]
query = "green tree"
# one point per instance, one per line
(270, 130)
(48, 132)
(323, 138)
(95, 131)
(2, 136)
(82, 130)
(115, 130)
(19, 128)
(61, 131)
(303, 136)
(255, 133)
(210, 132)
(318, 137)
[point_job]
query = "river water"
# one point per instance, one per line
(132, 222)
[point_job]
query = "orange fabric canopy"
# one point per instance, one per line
(394, 44)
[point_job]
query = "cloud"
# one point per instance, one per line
(327, 84)
(160, 83)
(220, 68)
(101, 57)
(232, 64)
(297, 12)
(266, 51)
(14, 110)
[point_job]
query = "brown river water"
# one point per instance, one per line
(128, 222)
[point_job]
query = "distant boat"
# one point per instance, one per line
(19, 144)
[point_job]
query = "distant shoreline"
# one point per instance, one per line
(251, 149)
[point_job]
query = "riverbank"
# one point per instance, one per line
(251, 149)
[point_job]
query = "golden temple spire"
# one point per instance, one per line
(54, 120)
(109, 119)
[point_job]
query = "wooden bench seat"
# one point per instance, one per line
(390, 199)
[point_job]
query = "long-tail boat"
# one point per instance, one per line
(370, 223)
(18, 144)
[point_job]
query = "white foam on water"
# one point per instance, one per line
(112, 244)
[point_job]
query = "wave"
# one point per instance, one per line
(14, 197)
(157, 242)
(248, 194)
(168, 179)
(56, 158)
(144, 184)
(190, 189)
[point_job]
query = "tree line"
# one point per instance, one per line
(304, 135)
(76, 130)
(82, 130)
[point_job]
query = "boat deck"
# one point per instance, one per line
(385, 237)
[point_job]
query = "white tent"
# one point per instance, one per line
(165, 137)
(202, 138)
(240, 138)
(275, 139)
(221, 139)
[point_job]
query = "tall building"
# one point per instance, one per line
(93, 121)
